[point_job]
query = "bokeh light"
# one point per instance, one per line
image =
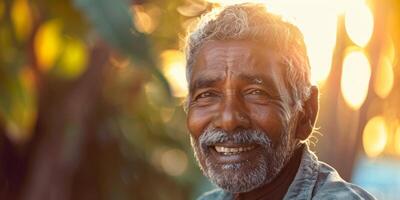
(22, 18)
(174, 68)
(375, 136)
(22, 114)
(397, 140)
(146, 20)
(174, 162)
(192, 8)
(227, 2)
(1, 9)
(355, 79)
(359, 23)
(389, 50)
(309, 16)
(384, 78)
(320, 42)
(73, 60)
(48, 44)
(138, 147)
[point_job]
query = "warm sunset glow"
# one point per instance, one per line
(375, 136)
(48, 43)
(384, 78)
(146, 20)
(320, 42)
(356, 74)
(229, 2)
(174, 162)
(22, 19)
(389, 50)
(359, 23)
(1, 9)
(318, 22)
(173, 66)
(73, 61)
(397, 140)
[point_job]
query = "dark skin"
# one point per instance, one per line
(278, 187)
(241, 85)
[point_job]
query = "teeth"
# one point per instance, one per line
(231, 150)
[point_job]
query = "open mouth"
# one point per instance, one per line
(233, 153)
(233, 150)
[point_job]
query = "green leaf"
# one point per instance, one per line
(113, 20)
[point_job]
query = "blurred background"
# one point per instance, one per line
(91, 95)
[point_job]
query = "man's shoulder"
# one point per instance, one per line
(216, 194)
(331, 186)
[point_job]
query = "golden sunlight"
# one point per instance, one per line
(384, 78)
(173, 66)
(318, 22)
(229, 2)
(1, 9)
(22, 19)
(320, 41)
(48, 44)
(359, 23)
(389, 50)
(375, 136)
(145, 20)
(356, 74)
(397, 140)
(73, 61)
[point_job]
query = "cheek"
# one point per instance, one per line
(197, 121)
(270, 120)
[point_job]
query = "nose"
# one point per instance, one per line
(232, 115)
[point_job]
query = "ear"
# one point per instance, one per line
(307, 118)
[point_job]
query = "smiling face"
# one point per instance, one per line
(240, 115)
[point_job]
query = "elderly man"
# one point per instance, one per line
(251, 108)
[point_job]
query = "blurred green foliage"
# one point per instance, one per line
(85, 111)
(89, 107)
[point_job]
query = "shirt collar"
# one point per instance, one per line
(303, 184)
(306, 177)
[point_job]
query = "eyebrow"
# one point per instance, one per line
(253, 79)
(210, 80)
(204, 82)
(258, 80)
(265, 82)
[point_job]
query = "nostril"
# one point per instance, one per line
(231, 115)
(232, 121)
(241, 117)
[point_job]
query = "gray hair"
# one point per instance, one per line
(251, 21)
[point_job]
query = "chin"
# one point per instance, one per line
(242, 171)
(239, 177)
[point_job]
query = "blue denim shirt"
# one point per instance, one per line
(314, 180)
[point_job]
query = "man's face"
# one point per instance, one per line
(240, 116)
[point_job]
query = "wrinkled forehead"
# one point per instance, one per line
(236, 56)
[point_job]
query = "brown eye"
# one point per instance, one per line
(256, 92)
(205, 95)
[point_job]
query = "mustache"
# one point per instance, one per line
(212, 136)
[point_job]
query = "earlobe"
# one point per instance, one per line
(307, 118)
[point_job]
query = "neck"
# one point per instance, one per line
(279, 186)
